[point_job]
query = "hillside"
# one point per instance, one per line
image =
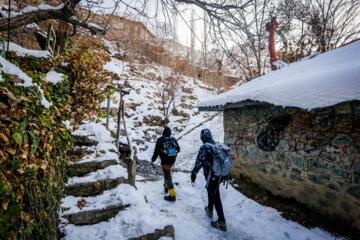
(144, 108)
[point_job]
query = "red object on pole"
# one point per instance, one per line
(270, 27)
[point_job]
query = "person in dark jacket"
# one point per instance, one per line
(167, 162)
(204, 160)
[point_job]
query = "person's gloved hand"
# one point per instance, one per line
(193, 177)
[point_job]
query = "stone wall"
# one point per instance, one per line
(312, 156)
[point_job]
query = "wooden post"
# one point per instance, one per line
(119, 120)
(8, 33)
(108, 112)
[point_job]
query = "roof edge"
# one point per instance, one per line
(237, 105)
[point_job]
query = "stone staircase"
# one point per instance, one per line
(82, 183)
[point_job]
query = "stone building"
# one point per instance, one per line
(296, 132)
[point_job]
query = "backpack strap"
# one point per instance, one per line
(209, 174)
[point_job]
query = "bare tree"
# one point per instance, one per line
(326, 23)
(169, 89)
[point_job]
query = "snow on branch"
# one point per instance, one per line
(65, 11)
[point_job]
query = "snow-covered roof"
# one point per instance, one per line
(322, 81)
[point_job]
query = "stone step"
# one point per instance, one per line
(168, 231)
(84, 141)
(94, 216)
(81, 169)
(93, 188)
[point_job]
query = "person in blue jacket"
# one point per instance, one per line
(204, 160)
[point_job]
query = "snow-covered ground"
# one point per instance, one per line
(144, 102)
(246, 219)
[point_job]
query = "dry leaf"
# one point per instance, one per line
(25, 216)
(43, 166)
(57, 112)
(5, 205)
(4, 138)
(7, 131)
(81, 203)
(3, 106)
(97, 185)
(10, 150)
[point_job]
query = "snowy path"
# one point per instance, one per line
(246, 219)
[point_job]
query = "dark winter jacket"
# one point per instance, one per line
(159, 148)
(205, 156)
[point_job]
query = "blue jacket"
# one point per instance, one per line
(159, 148)
(205, 156)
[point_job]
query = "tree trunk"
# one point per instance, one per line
(62, 33)
(131, 166)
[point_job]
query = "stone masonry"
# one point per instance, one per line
(312, 156)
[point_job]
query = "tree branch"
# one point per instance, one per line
(64, 12)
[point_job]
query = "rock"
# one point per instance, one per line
(341, 139)
(343, 108)
(95, 216)
(345, 206)
(341, 173)
(357, 172)
(298, 160)
(322, 122)
(280, 157)
(325, 176)
(354, 191)
(328, 156)
(250, 121)
(330, 195)
(315, 179)
(81, 169)
(357, 123)
(79, 151)
(266, 156)
(84, 141)
(168, 231)
(283, 146)
(93, 188)
(252, 151)
(343, 123)
(334, 187)
(296, 171)
(315, 165)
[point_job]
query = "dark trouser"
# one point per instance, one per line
(214, 197)
(167, 179)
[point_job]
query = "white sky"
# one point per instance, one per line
(183, 32)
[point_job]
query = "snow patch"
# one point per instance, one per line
(54, 77)
(11, 69)
(111, 172)
(20, 51)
